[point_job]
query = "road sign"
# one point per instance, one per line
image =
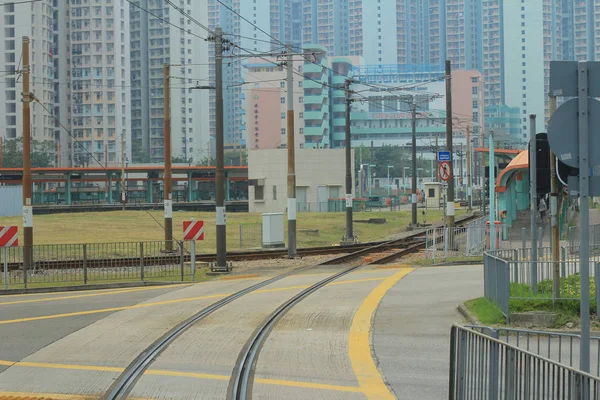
(443, 155)
(9, 236)
(193, 230)
(444, 170)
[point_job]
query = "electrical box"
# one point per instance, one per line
(272, 230)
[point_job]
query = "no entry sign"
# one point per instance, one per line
(193, 230)
(9, 236)
(444, 170)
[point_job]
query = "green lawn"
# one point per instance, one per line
(485, 312)
(136, 226)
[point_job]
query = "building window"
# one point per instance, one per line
(283, 131)
(301, 115)
(283, 100)
(282, 115)
(475, 116)
(300, 99)
(259, 192)
(274, 192)
(282, 84)
(474, 79)
(475, 90)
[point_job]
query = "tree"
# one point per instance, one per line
(140, 156)
(43, 153)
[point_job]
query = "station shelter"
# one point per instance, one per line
(512, 189)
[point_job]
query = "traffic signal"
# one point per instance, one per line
(486, 187)
(542, 163)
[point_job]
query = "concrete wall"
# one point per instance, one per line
(314, 168)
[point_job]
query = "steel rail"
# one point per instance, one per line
(244, 371)
(122, 386)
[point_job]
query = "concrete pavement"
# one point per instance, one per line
(411, 331)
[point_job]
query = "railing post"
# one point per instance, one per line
(141, 261)
(494, 370)
(241, 237)
(462, 364)
(181, 260)
(597, 286)
(453, 369)
(564, 262)
(27, 256)
(511, 371)
(516, 267)
(85, 269)
(446, 237)
(524, 241)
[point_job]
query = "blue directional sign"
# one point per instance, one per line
(443, 156)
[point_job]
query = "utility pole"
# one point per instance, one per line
(462, 187)
(27, 97)
(554, 216)
(349, 234)
(414, 163)
(437, 149)
(450, 204)
(291, 152)
(469, 178)
(492, 168)
(167, 177)
(533, 198)
(123, 188)
(220, 169)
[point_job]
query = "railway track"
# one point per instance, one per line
(243, 374)
(173, 258)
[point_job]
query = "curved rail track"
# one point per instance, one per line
(243, 373)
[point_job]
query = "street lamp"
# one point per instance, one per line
(388, 177)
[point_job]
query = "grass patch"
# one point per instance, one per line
(486, 312)
(135, 226)
(442, 260)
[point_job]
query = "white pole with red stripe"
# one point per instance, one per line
(9, 237)
(193, 230)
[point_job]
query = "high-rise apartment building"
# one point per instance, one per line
(154, 44)
(519, 41)
(463, 34)
(326, 22)
(35, 21)
(98, 48)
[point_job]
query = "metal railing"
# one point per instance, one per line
(562, 347)
(250, 236)
(93, 263)
(525, 274)
(483, 367)
(574, 240)
(466, 242)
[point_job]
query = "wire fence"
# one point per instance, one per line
(82, 264)
(483, 367)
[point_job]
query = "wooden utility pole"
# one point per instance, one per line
(27, 179)
(167, 177)
(291, 152)
(450, 205)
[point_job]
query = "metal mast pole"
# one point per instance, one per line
(349, 233)
(414, 163)
(27, 179)
(167, 178)
(123, 188)
(533, 198)
(291, 152)
(220, 168)
(554, 216)
(450, 202)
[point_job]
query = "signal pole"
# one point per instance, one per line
(167, 178)
(469, 178)
(291, 152)
(27, 179)
(450, 205)
(554, 216)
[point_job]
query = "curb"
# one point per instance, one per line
(464, 311)
(59, 289)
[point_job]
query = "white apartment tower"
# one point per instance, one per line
(98, 43)
(155, 43)
(33, 20)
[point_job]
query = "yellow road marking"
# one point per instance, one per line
(17, 395)
(196, 375)
(166, 302)
(105, 293)
(393, 266)
(232, 278)
(359, 349)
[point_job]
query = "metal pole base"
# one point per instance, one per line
(349, 241)
(219, 270)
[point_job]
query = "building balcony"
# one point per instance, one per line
(338, 108)
(315, 115)
(315, 99)
(310, 84)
